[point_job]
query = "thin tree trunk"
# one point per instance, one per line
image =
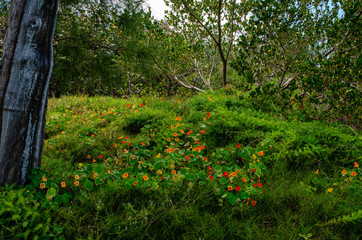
(25, 74)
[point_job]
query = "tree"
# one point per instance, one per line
(26, 69)
(214, 21)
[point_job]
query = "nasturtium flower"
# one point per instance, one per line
(76, 183)
(134, 183)
(253, 169)
(178, 119)
(259, 184)
(42, 185)
(175, 134)
(115, 145)
(208, 114)
(168, 139)
(76, 177)
(253, 203)
(44, 179)
(146, 178)
(202, 131)
(63, 184)
(237, 188)
(89, 156)
(80, 164)
(330, 189)
(176, 140)
(356, 164)
(239, 145)
(159, 172)
(225, 174)
(230, 188)
(254, 185)
(173, 171)
(316, 172)
(211, 177)
(172, 127)
(189, 132)
(244, 180)
(182, 131)
(125, 175)
(344, 171)
(261, 153)
(353, 174)
(233, 174)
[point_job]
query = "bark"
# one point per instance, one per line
(25, 74)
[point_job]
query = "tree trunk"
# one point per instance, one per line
(25, 70)
(224, 71)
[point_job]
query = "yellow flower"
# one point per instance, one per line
(330, 189)
(159, 172)
(44, 179)
(63, 184)
(125, 175)
(230, 188)
(80, 164)
(76, 177)
(42, 185)
(145, 177)
(76, 183)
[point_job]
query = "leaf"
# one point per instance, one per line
(244, 195)
(183, 171)
(98, 169)
(88, 185)
(190, 176)
(51, 193)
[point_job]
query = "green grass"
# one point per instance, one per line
(296, 203)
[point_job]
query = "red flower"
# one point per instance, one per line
(162, 177)
(239, 145)
(253, 203)
(129, 144)
(144, 144)
(253, 169)
(100, 156)
(259, 184)
(204, 159)
(189, 133)
(141, 105)
(303, 107)
(128, 105)
(124, 142)
(225, 174)
(254, 184)
(187, 157)
(208, 114)
(211, 177)
(210, 168)
(202, 131)
(237, 188)
(196, 141)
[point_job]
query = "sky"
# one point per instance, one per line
(157, 8)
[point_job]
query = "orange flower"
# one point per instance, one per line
(172, 127)
(178, 125)
(42, 185)
(230, 188)
(330, 189)
(95, 175)
(89, 156)
(178, 119)
(44, 179)
(173, 171)
(125, 175)
(316, 172)
(353, 174)
(233, 174)
(261, 153)
(356, 164)
(76, 183)
(168, 139)
(176, 139)
(76, 177)
(175, 134)
(244, 180)
(182, 131)
(115, 145)
(134, 183)
(146, 178)
(63, 184)
(189, 132)
(344, 171)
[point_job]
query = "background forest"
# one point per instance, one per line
(227, 119)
